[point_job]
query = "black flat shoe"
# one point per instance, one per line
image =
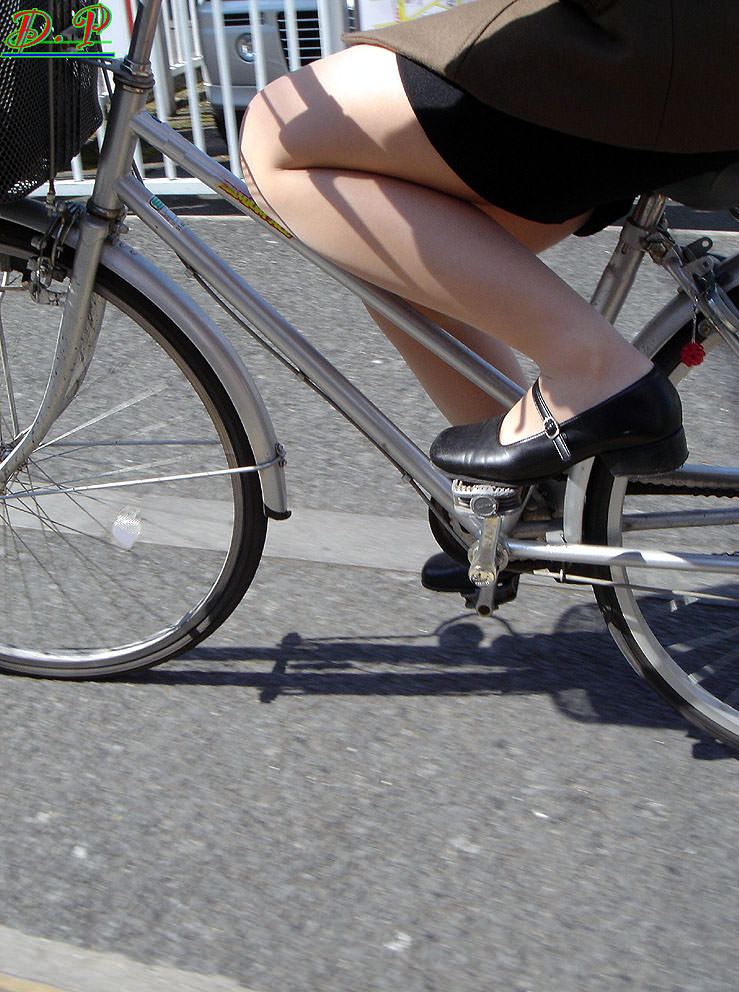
(442, 573)
(638, 431)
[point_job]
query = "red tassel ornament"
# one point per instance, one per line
(692, 353)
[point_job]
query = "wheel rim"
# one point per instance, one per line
(692, 655)
(106, 580)
(679, 629)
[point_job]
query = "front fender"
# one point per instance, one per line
(121, 259)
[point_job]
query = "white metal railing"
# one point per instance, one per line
(225, 50)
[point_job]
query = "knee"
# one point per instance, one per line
(259, 143)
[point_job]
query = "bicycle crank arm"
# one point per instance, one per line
(482, 509)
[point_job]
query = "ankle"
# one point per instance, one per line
(592, 377)
(569, 395)
(596, 360)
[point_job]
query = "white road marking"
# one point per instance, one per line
(33, 964)
(369, 540)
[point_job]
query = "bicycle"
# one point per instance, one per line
(97, 491)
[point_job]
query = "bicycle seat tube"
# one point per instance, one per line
(618, 276)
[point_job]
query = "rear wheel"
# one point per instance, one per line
(680, 629)
(104, 580)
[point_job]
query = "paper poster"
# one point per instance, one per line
(379, 13)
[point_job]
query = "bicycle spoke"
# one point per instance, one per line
(683, 637)
(135, 526)
(40, 514)
(703, 640)
(112, 412)
(4, 359)
(725, 663)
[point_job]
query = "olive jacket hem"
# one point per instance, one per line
(659, 75)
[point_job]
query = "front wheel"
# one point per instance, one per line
(107, 566)
(680, 629)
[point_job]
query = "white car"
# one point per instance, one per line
(240, 49)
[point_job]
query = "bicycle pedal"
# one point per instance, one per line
(487, 504)
(485, 600)
(486, 499)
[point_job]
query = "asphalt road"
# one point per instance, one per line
(355, 786)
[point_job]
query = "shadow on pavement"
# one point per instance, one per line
(577, 665)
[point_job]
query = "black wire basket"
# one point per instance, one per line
(48, 106)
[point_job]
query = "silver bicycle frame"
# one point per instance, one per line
(116, 188)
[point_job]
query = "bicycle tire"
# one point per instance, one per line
(681, 641)
(99, 582)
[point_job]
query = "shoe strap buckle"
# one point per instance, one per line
(551, 428)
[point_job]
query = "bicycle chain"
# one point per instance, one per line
(655, 488)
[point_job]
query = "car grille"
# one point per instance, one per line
(309, 40)
(238, 19)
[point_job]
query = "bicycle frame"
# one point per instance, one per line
(115, 189)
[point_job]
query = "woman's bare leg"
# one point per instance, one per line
(459, 400)
(338, 155)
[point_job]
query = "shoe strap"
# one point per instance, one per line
(552, 428)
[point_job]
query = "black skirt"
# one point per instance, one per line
(535, 172)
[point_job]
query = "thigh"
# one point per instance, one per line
(350, 112)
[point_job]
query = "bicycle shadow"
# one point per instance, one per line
(577, 665)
